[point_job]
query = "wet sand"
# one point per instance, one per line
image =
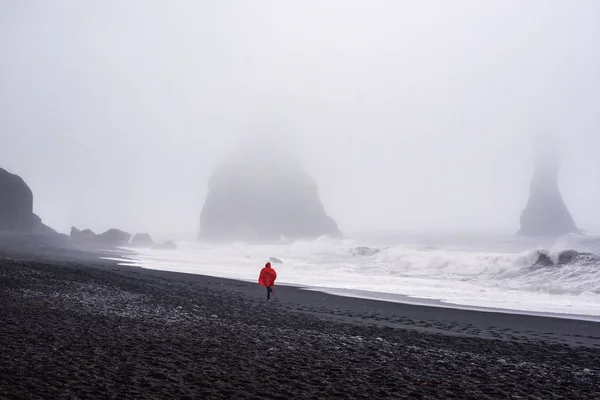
(73, 326)
(404, 299)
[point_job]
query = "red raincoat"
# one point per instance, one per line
(267, 276)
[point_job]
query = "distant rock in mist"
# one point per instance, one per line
(80, 236)
(165, 246)
(115, 237)
(112, 237)
(142, 240)
(546, 214)
(83, 235)
(275, 260)
(260, 194)
(16, 204)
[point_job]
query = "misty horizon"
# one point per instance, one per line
(411, 116)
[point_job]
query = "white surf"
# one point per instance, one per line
(498, 273)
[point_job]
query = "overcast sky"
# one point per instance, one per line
(410, 115)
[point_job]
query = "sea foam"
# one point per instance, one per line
(555, 279)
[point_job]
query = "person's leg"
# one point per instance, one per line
(268, 293)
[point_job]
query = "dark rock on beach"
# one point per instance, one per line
(546, 214)
(110, 238)
(39, 228)
(142, 240)
(17, 217)
(81, 236)
(16, 203)
(262, 195)
(72, 327)
(114, 237)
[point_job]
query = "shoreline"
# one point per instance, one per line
(388, 297)
(431, 317)
(75, 326)
(404, 299)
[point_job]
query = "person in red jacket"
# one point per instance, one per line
(267, 278)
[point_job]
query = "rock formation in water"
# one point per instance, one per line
(114, 237)
(16, 204)
(142, 240)
(263, 193)
(546, 214)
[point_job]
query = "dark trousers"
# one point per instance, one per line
(269, 291)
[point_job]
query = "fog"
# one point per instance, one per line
(410, 115)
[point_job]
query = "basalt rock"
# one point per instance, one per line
(263, 195)
(112, 237)
(546, 214)
(16, 213)
(82, 236)
(39, 228)
(16, 204)
(142, 240)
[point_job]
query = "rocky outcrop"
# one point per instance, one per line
(260, 194)
(17, 219)
(16, 213)
(81, 236)
(165, 246)
(39, 228)
(142, 240)
(16, 204)
(112, 237)
(546, 214)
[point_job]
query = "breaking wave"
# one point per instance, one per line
(540, 279)
(539, 270)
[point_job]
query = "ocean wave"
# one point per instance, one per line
(558, 279)
(540, 270)
(549, 258)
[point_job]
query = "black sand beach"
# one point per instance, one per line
(85, 328)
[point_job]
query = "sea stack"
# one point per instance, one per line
(262, 193)
(546, 214)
